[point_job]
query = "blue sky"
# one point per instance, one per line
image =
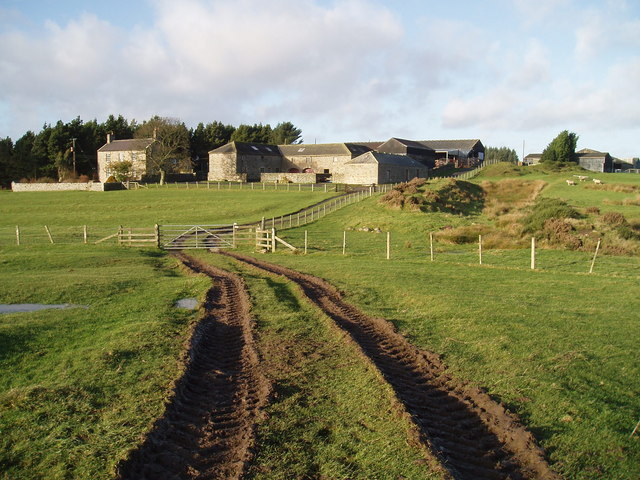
(504, 71)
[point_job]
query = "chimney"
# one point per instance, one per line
(109, 137)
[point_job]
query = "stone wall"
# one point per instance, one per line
(64, 187)
(288, 177)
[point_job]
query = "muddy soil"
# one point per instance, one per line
(207, 429)
(474, 436)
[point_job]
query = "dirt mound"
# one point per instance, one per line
(207, 429)
(474, 436)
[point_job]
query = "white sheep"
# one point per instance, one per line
(597, 181)
(570, 182)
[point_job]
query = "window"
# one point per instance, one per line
(254, 147)
(326, 170)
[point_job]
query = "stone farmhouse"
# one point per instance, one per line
(133, 150)
(396, 160)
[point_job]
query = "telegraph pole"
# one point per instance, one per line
(73, 150)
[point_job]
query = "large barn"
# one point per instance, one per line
(396, 160)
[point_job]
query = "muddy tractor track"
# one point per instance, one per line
(472, 435)
(207, 429)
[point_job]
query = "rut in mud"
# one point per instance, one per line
(474, 436)
(207, 429)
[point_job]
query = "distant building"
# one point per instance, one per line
(395, 160)
(133, 150)
(532, 159)
(594, 160)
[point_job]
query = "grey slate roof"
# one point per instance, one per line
(247, 147)
(385, 159)
(323, 149)
(129, 145)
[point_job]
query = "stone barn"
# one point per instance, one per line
(243, 162)
(376, 168)
(327, 160)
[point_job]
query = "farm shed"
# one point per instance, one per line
(416, 150)
(243, 161)
(594, 160)
(462, 153)
(134, 150)
(376, 167)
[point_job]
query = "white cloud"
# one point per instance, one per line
(599, 32)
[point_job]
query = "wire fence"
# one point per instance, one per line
(408, 246)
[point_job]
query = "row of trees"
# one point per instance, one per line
(67, 151)
(561, 150)
(502, 154)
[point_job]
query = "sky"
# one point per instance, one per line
(511, 73)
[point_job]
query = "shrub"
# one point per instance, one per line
(560, 232)
(614, 219)
(393, 198)
(545, 209)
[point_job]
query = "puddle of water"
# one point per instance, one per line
(34, 307)
(187, 303)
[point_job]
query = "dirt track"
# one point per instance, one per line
(207, 429)
(474, 436)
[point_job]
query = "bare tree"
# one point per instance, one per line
(169, 153)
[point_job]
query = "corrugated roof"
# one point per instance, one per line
(450, 144)
(128, 145)
(385, 159)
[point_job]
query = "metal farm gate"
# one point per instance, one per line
(182, 237)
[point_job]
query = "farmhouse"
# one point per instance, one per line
(353, 163)
(133, 150)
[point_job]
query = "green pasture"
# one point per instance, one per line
(584, 194)
(559, 348)
(145, 208)
(79, 387)
(557, 345)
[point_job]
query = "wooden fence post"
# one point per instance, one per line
(344, 242)
(17, 235)
(431, 244)
(305, 242)
(84, 233)
(49, 234)
(388, 245)
(156, 230)
(480, 248)
(533, 253)
(273, 240)
(593, 262)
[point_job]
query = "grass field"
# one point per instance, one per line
(556, 345)
(85, 383)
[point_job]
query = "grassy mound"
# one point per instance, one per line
(446, 195)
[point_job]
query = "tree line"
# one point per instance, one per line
(67, 151)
